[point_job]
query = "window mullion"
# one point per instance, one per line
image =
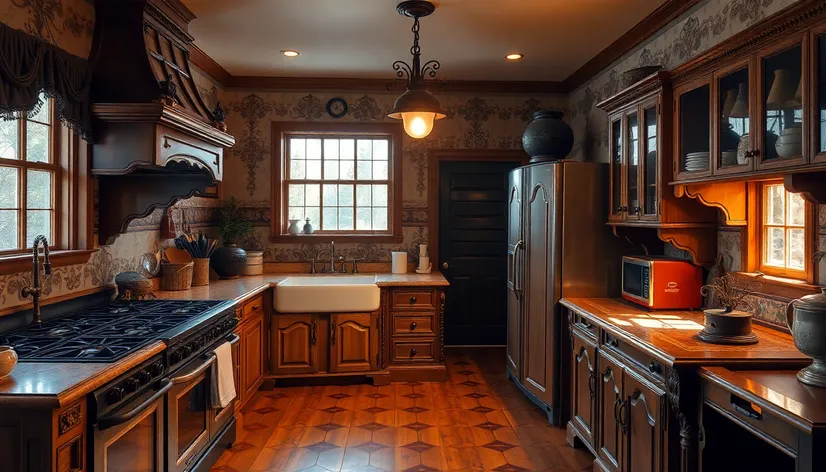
(23, 214)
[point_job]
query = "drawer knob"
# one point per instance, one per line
(413, 352)
(612, 342)
(412, 300)
(413, 326)
(654, 367)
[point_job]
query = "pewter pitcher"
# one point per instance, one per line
(806, 318)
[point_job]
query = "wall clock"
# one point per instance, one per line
(337, 107)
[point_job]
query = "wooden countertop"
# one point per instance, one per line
(56, 384)
(671, 335)
(243, 288)
(778, 391)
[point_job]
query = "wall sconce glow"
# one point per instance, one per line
(416, 107)
(290, 53)
(514, 56)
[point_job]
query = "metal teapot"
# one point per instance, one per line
(806, 318)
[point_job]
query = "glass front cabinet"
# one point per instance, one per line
(640, 156)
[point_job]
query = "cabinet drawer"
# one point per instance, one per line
(760, 422)
(413, 325)
(252, 306)
(584, 325)
(638, 359)
(407, 299)
(413, 350)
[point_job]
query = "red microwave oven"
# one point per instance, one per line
(661, 283)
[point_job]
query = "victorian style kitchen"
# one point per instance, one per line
(453, 235)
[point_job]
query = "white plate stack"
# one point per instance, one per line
(696, 161)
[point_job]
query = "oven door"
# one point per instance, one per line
(131, 438)
(188, 414)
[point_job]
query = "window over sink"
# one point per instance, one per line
(344, 178)
(29, 175)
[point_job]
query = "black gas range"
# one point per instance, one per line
(109, 333)
(165, 400)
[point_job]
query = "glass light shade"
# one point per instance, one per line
(728, 105)
(740, 109)
(781, 95)
(418, 124)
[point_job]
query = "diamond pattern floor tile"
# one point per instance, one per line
(418, 446)
(410, 426)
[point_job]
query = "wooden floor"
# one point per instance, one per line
(475, 421)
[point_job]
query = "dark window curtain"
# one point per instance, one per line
(29, 66)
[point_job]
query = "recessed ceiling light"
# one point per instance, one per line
(290, 53)
(514, 56)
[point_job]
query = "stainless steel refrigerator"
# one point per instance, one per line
(558, 246)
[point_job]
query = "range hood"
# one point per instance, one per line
(156, 141)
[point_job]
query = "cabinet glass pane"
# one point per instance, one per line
(649, 204)
(784, 111)
(633, 142)
(821, 92)
(695, 126)
(616, 166)
(733, 103)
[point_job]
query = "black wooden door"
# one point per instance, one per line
(473, 246)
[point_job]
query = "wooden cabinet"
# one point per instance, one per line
(644, 159)
(618, 406)
(294, 341)
(252, 348)
(513, 356)
(416, 329)
(607, 429)
(249, 353)
(316, 344)
(642, 424)
(353, 343)
(584, 385)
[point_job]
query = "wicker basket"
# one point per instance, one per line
(200, 273)
(176, 276)
(632, 76)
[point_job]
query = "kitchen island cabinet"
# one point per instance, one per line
(635, 387)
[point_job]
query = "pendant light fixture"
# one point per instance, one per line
(416, 107)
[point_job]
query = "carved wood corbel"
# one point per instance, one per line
(731, 198)
(680, 398)
(810, 185)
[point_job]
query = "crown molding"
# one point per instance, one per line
(290, 84)
(645, 29)
(659, 18)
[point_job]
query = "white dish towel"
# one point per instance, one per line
(222, 387)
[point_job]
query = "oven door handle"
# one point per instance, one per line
(114, 420)
(210, 359)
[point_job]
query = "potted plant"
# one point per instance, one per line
(229, 260)
(729, 324)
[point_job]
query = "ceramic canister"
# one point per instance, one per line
(399, 262)
(8, 360)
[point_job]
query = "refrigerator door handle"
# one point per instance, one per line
(516, 290)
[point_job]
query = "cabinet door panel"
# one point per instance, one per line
(515, 246)
(642, 420)
(632, 165)
(253, 348)
(584, 385)
(609, 434)
(617, 212)
(353, 343)
(649, 170)
(293, 344)
(543, 234)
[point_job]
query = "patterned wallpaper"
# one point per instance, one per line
(70, 24)
(473, 122)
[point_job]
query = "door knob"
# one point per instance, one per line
(445, 266)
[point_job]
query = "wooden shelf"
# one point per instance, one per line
(811, 186)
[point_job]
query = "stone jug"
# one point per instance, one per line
(806, 318)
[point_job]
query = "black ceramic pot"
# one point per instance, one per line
(727, 327)
(228, 261)
(547, 137)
